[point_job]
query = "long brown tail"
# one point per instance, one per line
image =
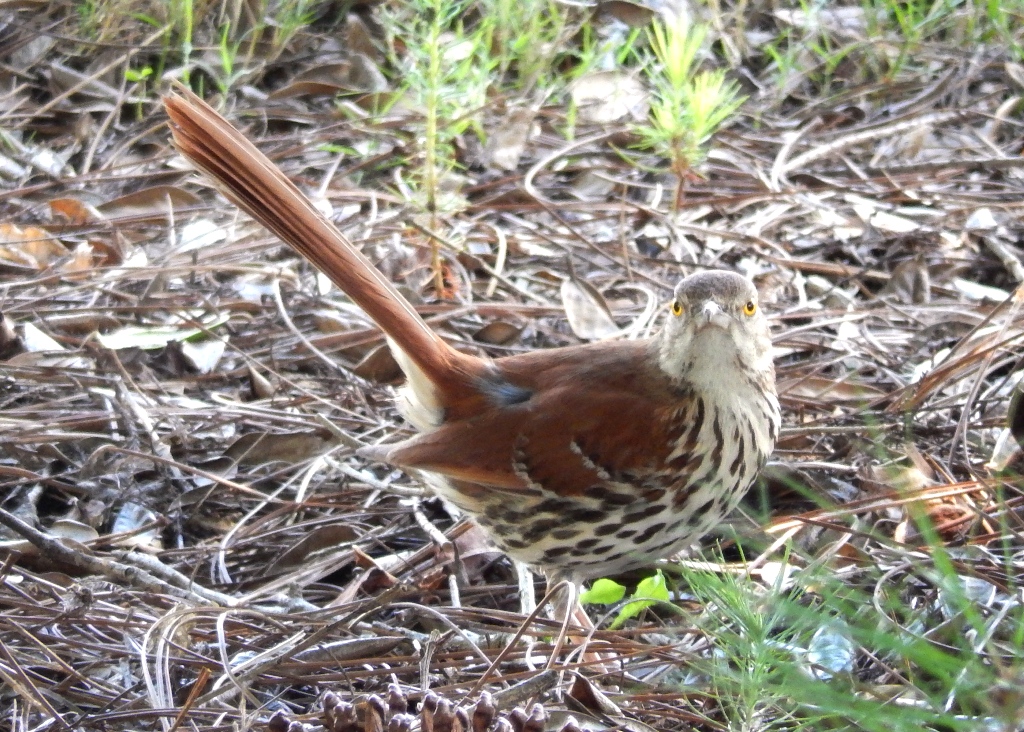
(257, 186)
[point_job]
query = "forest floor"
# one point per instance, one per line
(188, 539)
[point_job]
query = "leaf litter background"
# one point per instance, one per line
(181, 395)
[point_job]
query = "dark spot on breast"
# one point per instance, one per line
(552, 505)
(679, 462)
(663, 547)
(653, 510)
(556, 551)
(741, 450)
(699, 508)
(564, 534)
(693, 434)
(605, 529)
(584, 515)
(716, 453)
(496, 512)
(649, 532)
(607, 495)
(511, 516)
(539, 528)
(625, 533)
(588, 543)
(654, 495)
(683, 489)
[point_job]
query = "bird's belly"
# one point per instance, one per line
(600, 534)
(630, 517)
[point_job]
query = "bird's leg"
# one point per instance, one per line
(527, 594)
(527, 604)
(563, 594)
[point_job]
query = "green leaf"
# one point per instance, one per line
(134, 75)
(654, 587)
(649, 592)
(149, 19)
(603, 592)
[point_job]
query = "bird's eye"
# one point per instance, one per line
(677, 308)
(750, 308)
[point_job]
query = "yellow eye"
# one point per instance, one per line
(677, 308)
(750, 308)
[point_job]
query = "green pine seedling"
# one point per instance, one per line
(446, 72)
(687, 106)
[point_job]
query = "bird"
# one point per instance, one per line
(582, 461)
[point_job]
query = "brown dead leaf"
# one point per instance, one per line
(81, 259)
(356, 74)
(375, 101)
(898, 478)
(30, 247)
(257, 448)
(474, 542)
(506, 143)
(259, 386)
(150, 203)
(359, 39)
(819, 388)
(112, 251)
(589, 697)
(609, 96)
(950, 518)
(497, 333)
(329, 536)
(586, 310)
(632, 14)
(330, 321)
(379, 366)
(73, 211)
(371, 581)
(81, 322)
(431, 579)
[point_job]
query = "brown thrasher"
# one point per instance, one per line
(583, 461)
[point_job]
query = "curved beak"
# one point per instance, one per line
(711, 313)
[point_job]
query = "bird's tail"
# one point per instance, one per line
(257, 186)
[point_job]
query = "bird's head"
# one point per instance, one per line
(715, 325)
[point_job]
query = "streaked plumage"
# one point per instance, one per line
(581, 461)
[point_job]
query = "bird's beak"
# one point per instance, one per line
(712, 314)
